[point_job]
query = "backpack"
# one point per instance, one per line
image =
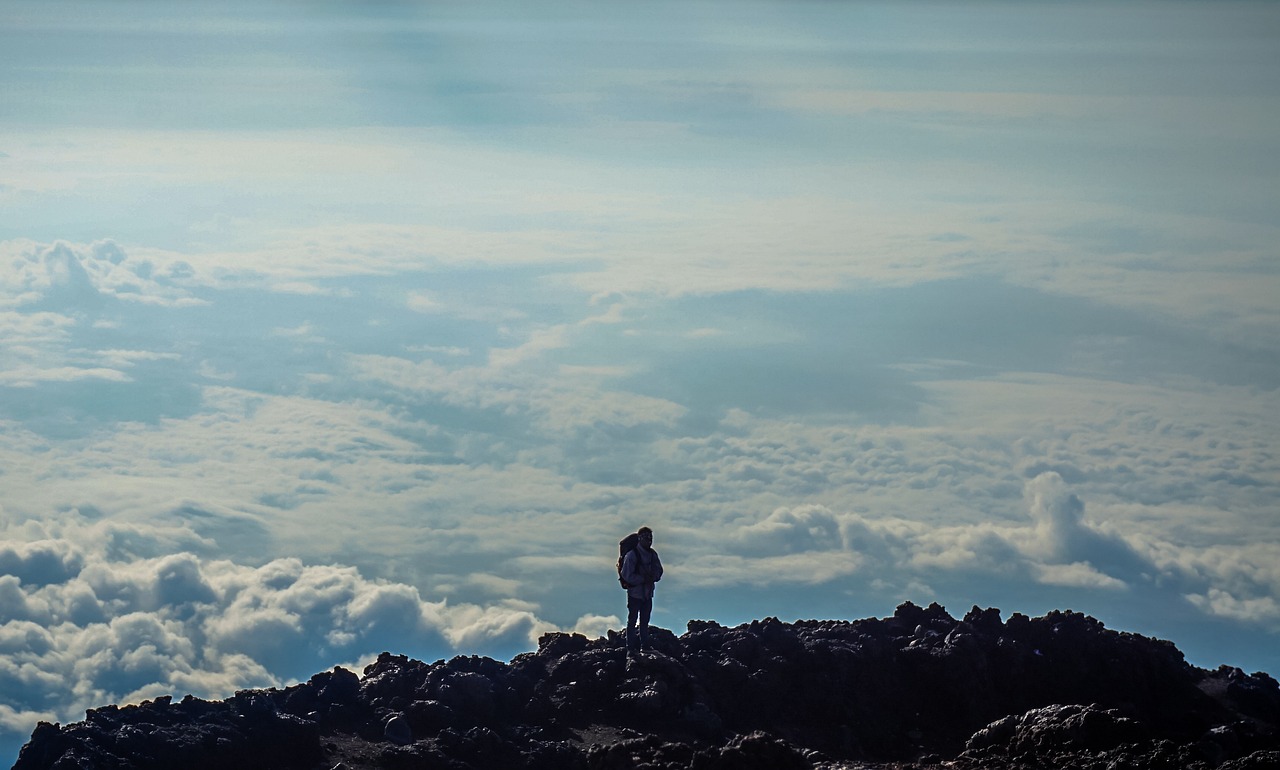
(625, 546)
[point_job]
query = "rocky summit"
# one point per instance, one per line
(915, 690)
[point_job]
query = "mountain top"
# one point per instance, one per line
(917, 689)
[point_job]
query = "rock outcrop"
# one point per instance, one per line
(912, 690)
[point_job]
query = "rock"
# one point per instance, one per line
(915, 689)
(1056, 728)
(559, 645)
(397, 731)
(758, 751)
(1259, 760)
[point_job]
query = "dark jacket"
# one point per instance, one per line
(641, 568)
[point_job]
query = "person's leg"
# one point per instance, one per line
(644, 611)
(633, 613)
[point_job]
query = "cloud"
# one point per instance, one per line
(1062, 536)
(423, 302)
(1058, 516)
(488, 629)
(61, 279)
(30, 377)
(41, 562)
(980, 548)
(793, 530)
(59, 302)
(595, 626)
(412, 486)
(34, 348)
(1055, 546)
(1259, 609)
(81, 278)
(81, 629)
(1075, 575)
(717, 571)
(834, 372)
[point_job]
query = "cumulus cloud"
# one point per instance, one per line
(1058, 516)
(82, 629)
(1062, 536)
(1055, 545)
(1258, 609)
(79, 278)
(41, 562)
(593, 626)
(457, 477)
(793, 530)
(971, 548)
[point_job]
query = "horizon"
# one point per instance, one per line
(334, 328)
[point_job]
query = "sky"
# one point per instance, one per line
(328, 328)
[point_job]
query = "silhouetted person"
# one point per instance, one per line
(641, 568)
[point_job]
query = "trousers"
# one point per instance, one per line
(638, 612)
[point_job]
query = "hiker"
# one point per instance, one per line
(640, 568)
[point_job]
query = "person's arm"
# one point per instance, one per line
(657, 566)
(629, 573)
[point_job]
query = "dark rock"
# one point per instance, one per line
(757, 751)
(397, 731)
(559, 645)
(1259, 760)
(912, 690)
(1056, 728)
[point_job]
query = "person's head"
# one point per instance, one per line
(646, 536)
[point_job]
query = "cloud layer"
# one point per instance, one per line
(87, 625)
(341, 342)
(223, 509)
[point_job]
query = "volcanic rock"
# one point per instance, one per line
(911, 690)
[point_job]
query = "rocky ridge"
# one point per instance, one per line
(914, 690)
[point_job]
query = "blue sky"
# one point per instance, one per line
(328, 328)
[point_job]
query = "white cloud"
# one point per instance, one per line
(1052, 547)
(424, 302)
(123, 359)
(302, 331)
(487, 629)
(971, 548)
(596, 626)
(793, 530)
(565, 399)
(1260, 609)
(40, 562)
(30, 377)
(1075, 575)
(1058, 514)
(34, 349)
(78, 278)
(715, 571)
(21, 721)
(179, 623)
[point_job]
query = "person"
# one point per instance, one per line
(641, 568)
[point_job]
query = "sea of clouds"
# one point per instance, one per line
(376, 329)
(203, 505)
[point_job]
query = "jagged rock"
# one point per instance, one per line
(397, 731)
(1259, 760)
(1056, 728)
(916, 688)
